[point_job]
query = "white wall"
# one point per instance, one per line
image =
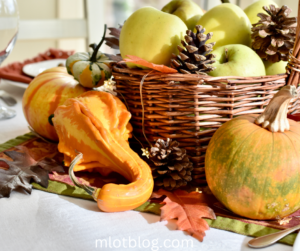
(46, 9)
(33, 9)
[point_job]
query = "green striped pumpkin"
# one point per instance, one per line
(255, 172)
(87, 72)
(90, 69)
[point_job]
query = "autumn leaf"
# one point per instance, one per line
(23, 169)
(188, 208)
(113, 41)
(142, 62)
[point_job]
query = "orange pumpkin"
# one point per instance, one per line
(44, 94)
(96, 124)
(253, 171)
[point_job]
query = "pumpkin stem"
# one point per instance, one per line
(90, 190)
(274, 116)
(96, 48)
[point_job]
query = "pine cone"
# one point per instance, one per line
(274, 35)
(196, 57)
(172, 166)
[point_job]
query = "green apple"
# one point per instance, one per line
(275, 68)
(229, 24)
(188, 11)
(240, 60)
(152, 35)
(257, 7)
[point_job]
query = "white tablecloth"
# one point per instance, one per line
(45, 221)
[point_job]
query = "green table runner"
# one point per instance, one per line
(223, 223)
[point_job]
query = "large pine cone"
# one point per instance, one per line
(196, 57)
(172, 168)
(274, 35)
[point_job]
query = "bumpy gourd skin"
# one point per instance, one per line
(97, 125)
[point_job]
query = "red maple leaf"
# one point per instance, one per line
(189, 209)
(143, 62)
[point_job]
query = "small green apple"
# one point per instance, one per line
(253, 9)
(187, 10)
(152, 35)
(275, 68)
(229, 24)
(240, 60)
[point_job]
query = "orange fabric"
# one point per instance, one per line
(14, 71)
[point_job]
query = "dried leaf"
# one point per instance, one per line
(142, 62)
(113, 42)
(284, 221)
(19, 172)
(188, 208)
(117, 58)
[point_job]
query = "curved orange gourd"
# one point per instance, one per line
(97, 125)
(44, 94)
(253, 171)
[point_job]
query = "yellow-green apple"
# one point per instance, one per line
(187, 10)
(275, 68)
(152, 35)
(257, 7)
(229, 24)
(239, 60)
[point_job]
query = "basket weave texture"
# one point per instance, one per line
(190, 108)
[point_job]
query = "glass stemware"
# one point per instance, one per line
(9, 22)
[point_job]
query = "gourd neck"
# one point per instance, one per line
(225, 1)
(97, 47)
(274, 117)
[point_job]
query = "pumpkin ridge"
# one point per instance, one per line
(27, 105)
(265, 181)
(294, 132)
(33, 92)
(217, 135)
(238, 148)
(296, 155)
(286, 185)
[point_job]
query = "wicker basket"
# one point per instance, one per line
(190, 108)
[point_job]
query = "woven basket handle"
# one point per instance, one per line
(294, 57)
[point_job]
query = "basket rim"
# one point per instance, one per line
(153, 74)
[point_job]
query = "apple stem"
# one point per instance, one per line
(225, 1)
(226, 55)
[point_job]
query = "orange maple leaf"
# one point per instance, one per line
(143, 62)
(189, 209)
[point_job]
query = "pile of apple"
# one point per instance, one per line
(154, 35)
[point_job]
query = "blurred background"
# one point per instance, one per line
(83, 22)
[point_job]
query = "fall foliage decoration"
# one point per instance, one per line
(96, 124)
(172, 168)
(141, 62)
(274, 35)
(196, 55)
(44, 94)
(257, 174)
(22, 169)
(188, 208)
(113, 41)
